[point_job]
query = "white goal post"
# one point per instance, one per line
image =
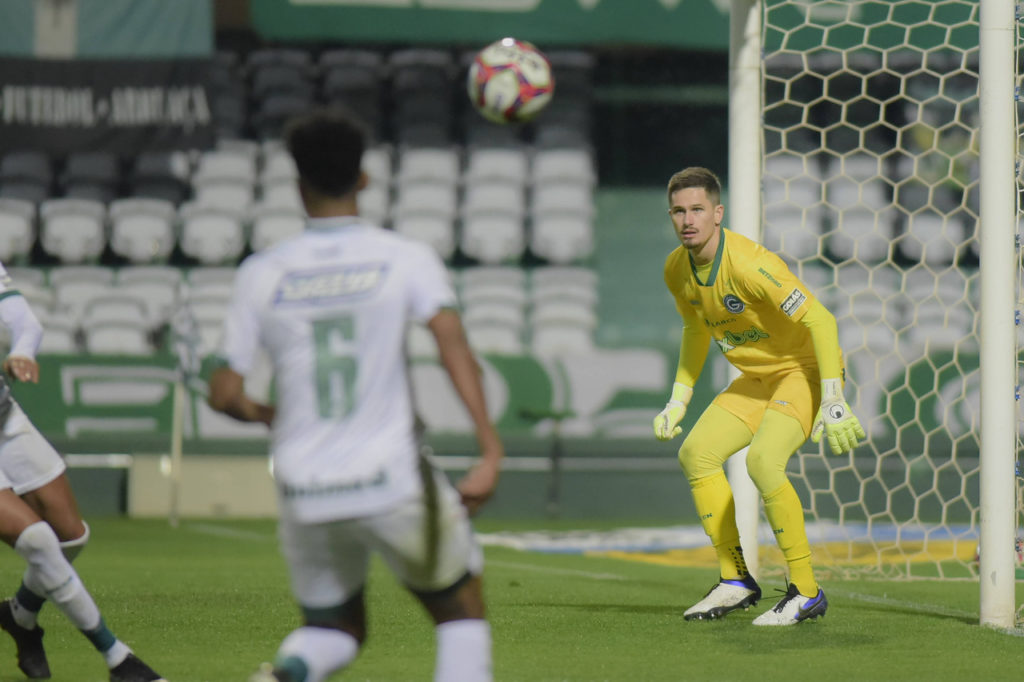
(887, 136)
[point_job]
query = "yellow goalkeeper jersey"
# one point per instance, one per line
(751, 305)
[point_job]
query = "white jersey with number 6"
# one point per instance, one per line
(331, 307)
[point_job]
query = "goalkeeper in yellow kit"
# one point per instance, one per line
(735, 292)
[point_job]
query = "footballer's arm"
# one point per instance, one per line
(457, 358)
(227, 395)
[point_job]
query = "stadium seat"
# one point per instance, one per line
(238, 164)
(59, 337)
(377, 165)
(28, 275)
(562, 238)
(425, 198)
(794, 233)
(270, 226)
(267, 56)
(208, 307)
(278, 166)
(117, 338)
(159, 297)
(562, 198)
(573, 166)
(281, 79)
(39, 296)
(73, 230)
(230, 111)
(118, 306)
(142, 230)
(862, 234)
(503, 164)
(491, 336)
(27, 165)
(203, 275)
(71, 298)
(280, 195)
(420, 342)
(431, 134)
(24, 190)
(480, 312)
(17, 229)
(375, 204)
(69, 275)
(493, 275)
(354, 78)
(226, 194)
(92, 175)
(436, 230)
(272, 113)
(211, 235)
(499, 294)
(169, 275)
(931, 237)
(564, 283)
(554, 337)
(492, 238)
(493, 197)
(441, 165)
(561, 136)
(160, 175)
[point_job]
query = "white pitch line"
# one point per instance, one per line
(929, 608)
(554, 570)
(936, 609)
(228, 532)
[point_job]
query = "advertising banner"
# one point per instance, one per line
(691, 24)
(124, 404)
(60, 106)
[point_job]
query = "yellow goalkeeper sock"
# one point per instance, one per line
(786, 515)
(712, 496)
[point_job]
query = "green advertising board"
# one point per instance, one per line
(691, 24)
(605, 402)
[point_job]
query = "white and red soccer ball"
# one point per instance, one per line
(510, 81)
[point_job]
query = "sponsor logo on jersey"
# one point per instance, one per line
(326, 286)
(731, 339)
(770, 278)
(719, 323)
(793, 302)
(694, 302)
(733, 304)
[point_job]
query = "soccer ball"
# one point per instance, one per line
(510, 81)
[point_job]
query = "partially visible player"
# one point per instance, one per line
(731, 290)
(39, 517)
(331, 308)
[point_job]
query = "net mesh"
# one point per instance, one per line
(871, 194)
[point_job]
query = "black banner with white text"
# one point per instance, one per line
(62, 106)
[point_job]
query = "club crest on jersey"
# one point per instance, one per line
(793, 302)
(733, 304)
(325, 286)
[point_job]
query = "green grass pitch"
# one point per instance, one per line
(208, 601)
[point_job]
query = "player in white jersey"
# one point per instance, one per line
(330, 308)
(39, 517)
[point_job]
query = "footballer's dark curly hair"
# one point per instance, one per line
(327, 145)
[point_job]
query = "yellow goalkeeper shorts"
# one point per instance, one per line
(794, 394)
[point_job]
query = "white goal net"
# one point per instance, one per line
(871, 193)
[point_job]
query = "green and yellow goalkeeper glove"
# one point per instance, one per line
(666, 424)
(836, 420)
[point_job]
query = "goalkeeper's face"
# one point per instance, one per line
(695, 220)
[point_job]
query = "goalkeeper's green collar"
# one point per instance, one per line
(714, 264)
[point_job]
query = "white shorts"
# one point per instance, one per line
(27, 460)
(328, 562)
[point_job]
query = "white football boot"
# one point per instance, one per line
(726, 596)
(794, 608)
